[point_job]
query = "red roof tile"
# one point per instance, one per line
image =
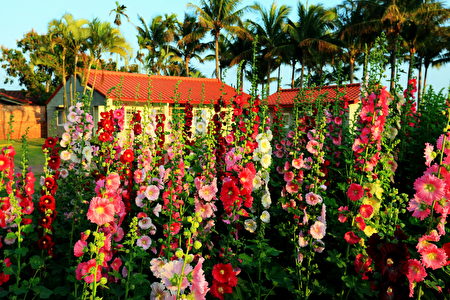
(286, 96)
(136, 87)
(16, 96)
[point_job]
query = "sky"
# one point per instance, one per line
(19, 17)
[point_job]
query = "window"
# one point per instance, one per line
(59, 116)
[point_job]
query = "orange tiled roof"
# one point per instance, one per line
(16, 96)
(286, 96)
(136, 87)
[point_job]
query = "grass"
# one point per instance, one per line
(35, 155)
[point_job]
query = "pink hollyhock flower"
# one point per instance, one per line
(199, 284)
(366, 211)
(101, 211)
(292, 188)
(157, 209)
(342, 217)
(78, 249)
(289, 176)
(420, 209)
(172, 270)
(415, 271)
(112, 182)
(116, 264)
(156, 265)
(351, 238)
(433, 257)
(317, 230)
(297, 162)
(152, 192)
(88, 270)
(144, 242)
(313, 199)
(145, 223)
(159, 292)
(428, 154)
(208, 192)
(355, 192)
(139, 176)
(313, 147)
(118, 234)
(429, 188)
(205, 209)
(302, 242)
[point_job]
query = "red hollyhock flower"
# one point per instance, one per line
(54, 162)
(50, 142)
(366, 211)
(362, 265)
(137, 128)
(224, 273)
(49, 183)
(105, 137)
(46, 242)
(229, 194)
(46, 222)
(355, 192)
(218, 289)
(246, 177)
(351, 238)
(4, 162)
(127, 156)
(47, 202)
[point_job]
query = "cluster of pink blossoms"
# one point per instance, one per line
(432, 199)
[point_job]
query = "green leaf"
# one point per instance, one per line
(61, 291)
(44, 292)
(36, 262)
(28, 228)
(11, 235)
(22, 251)
(17, 290)
(3, 294)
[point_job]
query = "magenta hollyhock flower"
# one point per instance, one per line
(116, 264)
(433, 257)
(199, 284)
(313, 199)
(78, 249)
(317, 230)
(139, 176)
(144, 242)
(152, 192)
(355, 192)
(101, 211)
(420, 209)
(429, 188)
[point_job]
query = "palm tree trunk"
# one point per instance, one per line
(188, 58)
(279, 77)
(216, 40)
(393, 61)
(66, 105)
(352, 68)
(424, 82)
(293, 74)
(412, 52)
(87, 76)
(365, 66)
(301, 75)
(269, 66)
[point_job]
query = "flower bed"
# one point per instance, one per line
(164, 209)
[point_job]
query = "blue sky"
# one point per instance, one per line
(19, 17)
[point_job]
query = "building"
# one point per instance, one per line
(27, 118)
(350, 94)
(134, 91)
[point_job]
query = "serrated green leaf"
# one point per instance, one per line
(21, 251)
(36, 262)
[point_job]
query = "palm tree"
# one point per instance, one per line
(119, 12)
(69, 34)
(271, 34)
(218, 15)
(312, 32)
(103, 38)
(189, 36)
